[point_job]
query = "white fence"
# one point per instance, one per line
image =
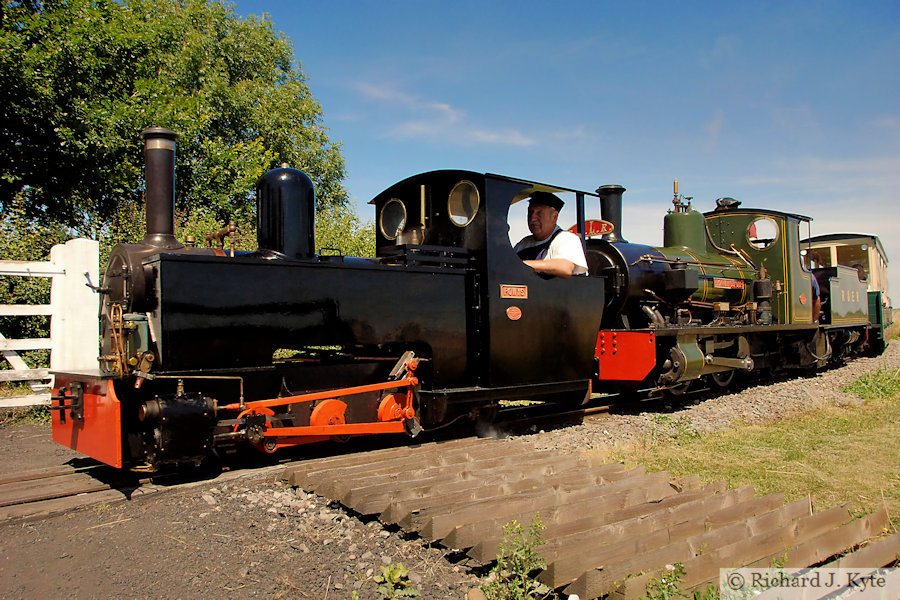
(74, 329)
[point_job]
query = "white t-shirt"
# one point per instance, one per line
(564, 245)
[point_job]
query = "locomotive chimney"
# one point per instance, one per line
(611, 210)
(159, 196)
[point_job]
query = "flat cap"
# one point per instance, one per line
(547, 199)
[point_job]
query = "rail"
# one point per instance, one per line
(74, 329)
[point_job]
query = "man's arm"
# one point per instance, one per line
(557, 267)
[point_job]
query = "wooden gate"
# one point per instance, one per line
(73, 309)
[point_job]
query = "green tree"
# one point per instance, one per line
(339, 228)
(79, 79)
(25, 238)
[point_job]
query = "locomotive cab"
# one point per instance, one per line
(771, 241)
(529, 336)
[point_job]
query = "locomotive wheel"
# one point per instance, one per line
(255, 433)
(575, 398)
(679, 388)
(723, 378)
(483, 418)
(485, 415)
(330, 412)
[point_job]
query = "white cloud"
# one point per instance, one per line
(714, 128)
(384, 93)
(797, 122)
(842, 195)
(724, 48)
(880, 175)
(887, 122)
(506, 138)
(417, 117)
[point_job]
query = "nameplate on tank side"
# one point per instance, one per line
(728, 284)
(519, 292)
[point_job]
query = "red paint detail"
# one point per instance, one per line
(328, 417)
(514, 313)
(328, 412)
(409, 382)
(99, 435)
(325, 431)
(594, 227)
(514, 291)
(287, 442)
(728, 284)
(255, 411)
(390, 408)
(802, 298)
(625, 355)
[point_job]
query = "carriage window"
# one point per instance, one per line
(463, 203)
(762, 233)
(393, 219)
(856, 256)
(816, 258)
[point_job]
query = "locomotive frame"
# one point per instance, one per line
(203, 350)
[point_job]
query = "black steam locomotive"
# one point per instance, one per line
(204, 348)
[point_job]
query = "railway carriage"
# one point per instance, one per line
(203, 349)
(826, 254)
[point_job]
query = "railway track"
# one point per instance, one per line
(517, 417)
(602, 405)
(648, 400)
(50, 491)
(53, 490)
(44, 492)
(598, 407)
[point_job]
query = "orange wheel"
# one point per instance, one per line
(328, 412)
(390, 409)
(263, 445)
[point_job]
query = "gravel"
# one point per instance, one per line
(240, 539)
(756, 404)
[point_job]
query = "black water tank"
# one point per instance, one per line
(285, 213)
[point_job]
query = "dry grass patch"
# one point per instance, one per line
(836, 454)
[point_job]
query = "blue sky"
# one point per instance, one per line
(793, 106)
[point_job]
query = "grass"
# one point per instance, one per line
(509, 403)
(38, 415)
(34, 415)
(881, 383)
(10, 389)
(836, 455)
